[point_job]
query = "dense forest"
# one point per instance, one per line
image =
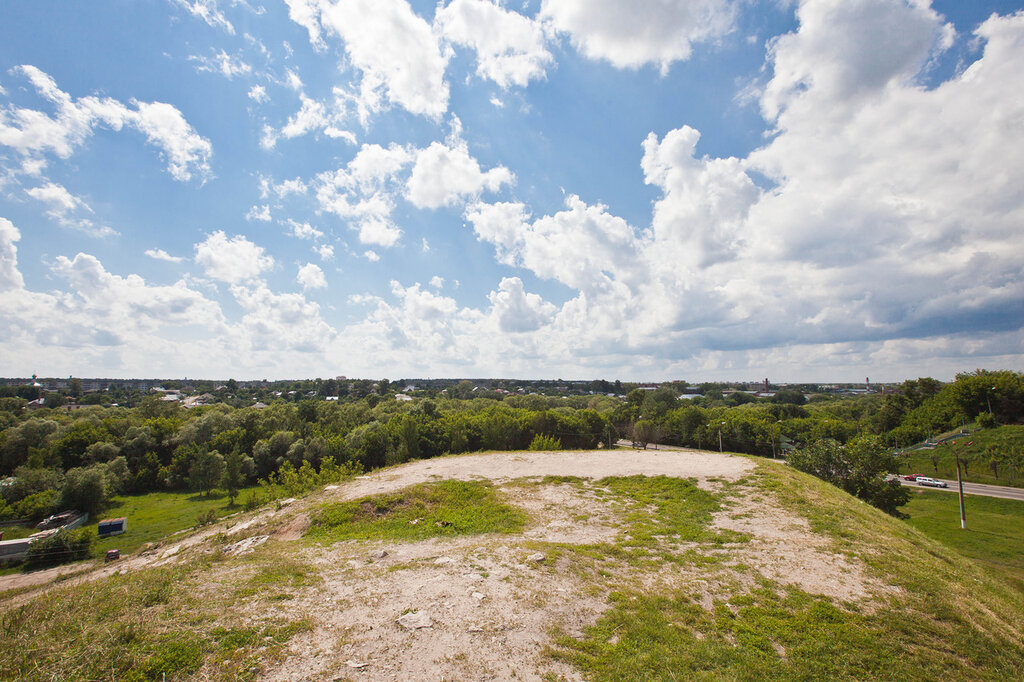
(57, 457)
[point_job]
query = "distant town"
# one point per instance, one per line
(71, 391)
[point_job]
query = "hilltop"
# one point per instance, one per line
(535, 565)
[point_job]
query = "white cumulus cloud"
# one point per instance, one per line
(510, 48)
(231, 260)
(311, 277)
(633, 34)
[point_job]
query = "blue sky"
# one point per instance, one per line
(657, 189)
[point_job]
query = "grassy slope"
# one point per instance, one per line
(995, 529)
(1004, 439)
(949, 618)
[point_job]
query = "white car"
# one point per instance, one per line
(934, 483)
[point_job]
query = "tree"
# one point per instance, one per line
(206, 471)
(644, 432)
(657, 403)
(859, 468)
(85, 488)
(236, 470)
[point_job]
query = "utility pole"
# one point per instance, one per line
(960, 484)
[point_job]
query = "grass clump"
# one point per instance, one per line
(664, 508)
(442, 509)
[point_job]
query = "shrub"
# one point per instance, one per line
(35, 506)
(542, 442)
(60, 548)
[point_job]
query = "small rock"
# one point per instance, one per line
(442, 560)
(538, 557)
(285, 502)
(331, 487)
(479, 596)
(476, 628)
(356, 664)
(379, 554)
(415, 620)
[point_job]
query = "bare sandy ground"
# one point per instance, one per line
(487, 607)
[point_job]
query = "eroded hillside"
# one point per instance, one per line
(569, 565)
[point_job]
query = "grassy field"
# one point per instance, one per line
(155, 516)
(994, 536)
(1005, 439)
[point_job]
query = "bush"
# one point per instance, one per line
(542, 442)
(35, 506)
(859, 467)
(60, 548)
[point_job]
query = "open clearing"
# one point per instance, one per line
(588, 565)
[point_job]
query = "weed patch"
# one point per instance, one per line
(443, 509)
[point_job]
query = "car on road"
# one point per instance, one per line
(932, 482)
(911, 477)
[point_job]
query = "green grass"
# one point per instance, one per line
(668, 509)
(155, 516)
(443, 509)
(1005, 439)
(994, 536)
(148, 624)
(945, 618)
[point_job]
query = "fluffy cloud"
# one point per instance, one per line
(393, 48)
(63, 206)
(363, 192)
(258, 93)
(445, 175)
(303, 230)
(231, 260)
(313, 116)
(583, 247)
(510, 49)
(311, 277)
(630, 35)
(276, 322)
(33, 133)
(10, 276)
(260, 213)
(160, 254)
(518, 311)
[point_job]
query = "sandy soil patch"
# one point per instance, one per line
(506, 466)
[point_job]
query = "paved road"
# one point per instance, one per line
(975, 489)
